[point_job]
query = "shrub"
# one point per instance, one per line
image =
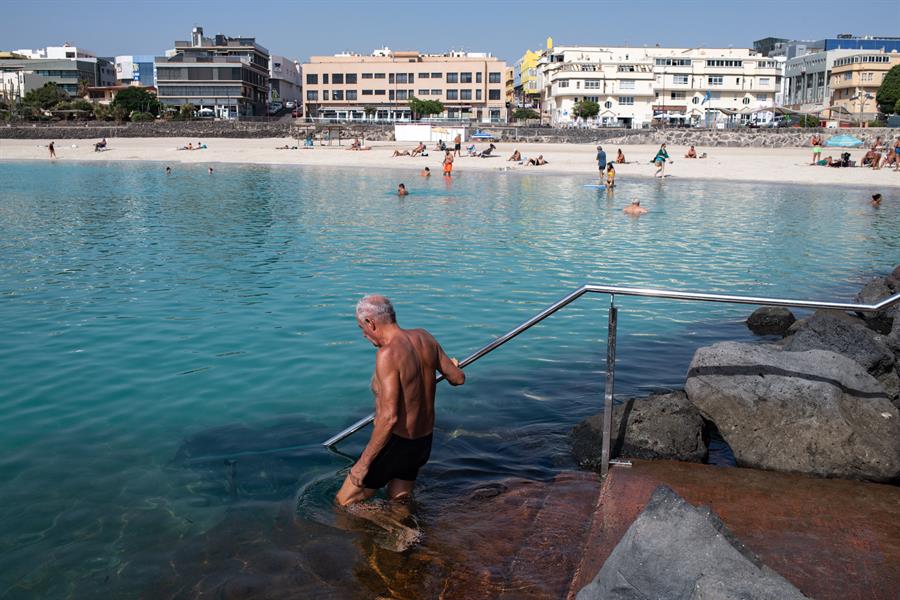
(523, 114)
(586, 109)
(141, 117)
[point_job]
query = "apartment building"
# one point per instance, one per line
(135, 70)
(227, 75)
(525, 80)
(18, 76)
(379, 86)
(636, 85)
(284, 79)
(855, 80)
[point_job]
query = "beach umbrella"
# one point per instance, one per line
(843, 141)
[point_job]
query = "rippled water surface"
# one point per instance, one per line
(173, 349)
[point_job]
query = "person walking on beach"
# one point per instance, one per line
(448, 163)
(404, 387)
(52, 150)
(457, 145)
(816, 143)
(660, 160)
(601, 162)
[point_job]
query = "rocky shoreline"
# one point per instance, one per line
(821, 400)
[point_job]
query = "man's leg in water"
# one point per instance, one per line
(351, 493)
(400, 489)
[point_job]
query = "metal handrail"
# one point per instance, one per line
(613, 291)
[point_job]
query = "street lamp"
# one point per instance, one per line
(862, 97)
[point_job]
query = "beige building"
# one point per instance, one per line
(855, 80)
(471, 86)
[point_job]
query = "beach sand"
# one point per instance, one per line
(770, 165)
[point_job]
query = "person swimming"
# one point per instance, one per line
(401, 190)
(426, 172)
(635, 208)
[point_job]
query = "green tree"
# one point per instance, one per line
(369, 110)
(897, 107)
(138, 117)
(423, 108)
(45, 97)
(136, 99)
(889, 92)
(586, 109)
(103, 112)
(523, 114)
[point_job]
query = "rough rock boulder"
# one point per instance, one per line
(841, 333)
(770, 320)
(676, 551)
(813, 412)
(872, 293)
(661, 426)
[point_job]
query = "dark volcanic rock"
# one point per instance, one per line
(841, 333)
(893, 280)
(814, 412)
(662, 426)
(770, 320)
(676, 551)
(873, 292)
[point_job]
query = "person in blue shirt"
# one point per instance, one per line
(601, 162)
(660, 161)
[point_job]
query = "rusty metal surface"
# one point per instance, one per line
(833, 539)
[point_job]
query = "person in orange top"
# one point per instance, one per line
(448, 164)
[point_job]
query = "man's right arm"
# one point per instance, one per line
(449, 368)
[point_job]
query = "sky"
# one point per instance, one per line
(506, 28)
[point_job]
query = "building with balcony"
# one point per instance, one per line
(135, 70)
(19, 76)
(284, 79)
(855, 80)
(228, 75)
(379, 86)
(633, 86)
(527, 93)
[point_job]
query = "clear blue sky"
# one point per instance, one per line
(504, 27)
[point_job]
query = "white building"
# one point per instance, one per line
(284, 79)
(808, 79)
(67, 50)
(635, 85)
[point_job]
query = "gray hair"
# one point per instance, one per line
(376, 308)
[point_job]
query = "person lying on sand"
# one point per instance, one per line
(537, 162)
(190, 146)
(400, 153)
(515, 157)
(418, 149)
(487, 151)
(356, 145)
(692, 153)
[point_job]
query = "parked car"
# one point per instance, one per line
(290, 105)
(206, 113)
(275, 107)
(297, 113)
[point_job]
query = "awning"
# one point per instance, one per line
(665, 108)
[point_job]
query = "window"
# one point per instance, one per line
(724, 63)
(465, 94)
(478, 94)
(423, 75)
(493, 94)
(423, 92)
(867, 76)
(351, 95)
(626, 84)
(324, 78)
(337, 78)
(200, 74)
(379, 92)
(435, 92)
(452, 77)
(312, 79)
(695, 100)
(848, 76)
(607, 104)
(367, 76)
(746, 100)
(563, 83)
(715, 80)
(676, 96)
(379, 75)
(367, 92)
(680, 79)
(351, 78)
(762, 98)
(465, 78)
(493, 77)
(325, 95)
(402, 94)
(337, 95)
(478, 77)
(452, 94)
(592, 98)
(436, 76)
(626, 100)
(673, 62)
(764, 80)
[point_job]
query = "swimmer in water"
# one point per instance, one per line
(426, 172)
(401, 190)
(635, 208)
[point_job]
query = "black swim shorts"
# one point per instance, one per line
(401, 458)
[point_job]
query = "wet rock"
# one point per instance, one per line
(814, 412)
(770, 320)
(841, 333)
(661, 426)
(893, 280)
(873, 292)
(676, 551)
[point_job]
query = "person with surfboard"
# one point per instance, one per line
(404, 388)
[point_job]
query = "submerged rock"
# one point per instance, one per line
(814, 412)
(676, 551)
(770, 320)
(661, 426)
(841, 333)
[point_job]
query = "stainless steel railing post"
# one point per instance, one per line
(609, 391)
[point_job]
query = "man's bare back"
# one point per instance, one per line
(404, 389)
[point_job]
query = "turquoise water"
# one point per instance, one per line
(175, 347)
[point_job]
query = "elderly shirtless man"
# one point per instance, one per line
(404, 386)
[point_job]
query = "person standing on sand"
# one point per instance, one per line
(52, 150)
(448, 163)
(601, 162)
(816, 143)
(404, 389)
(457, 145)
(660, 160)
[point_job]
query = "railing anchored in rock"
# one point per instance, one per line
(613, 291)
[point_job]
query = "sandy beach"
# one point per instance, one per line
(771, 165)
